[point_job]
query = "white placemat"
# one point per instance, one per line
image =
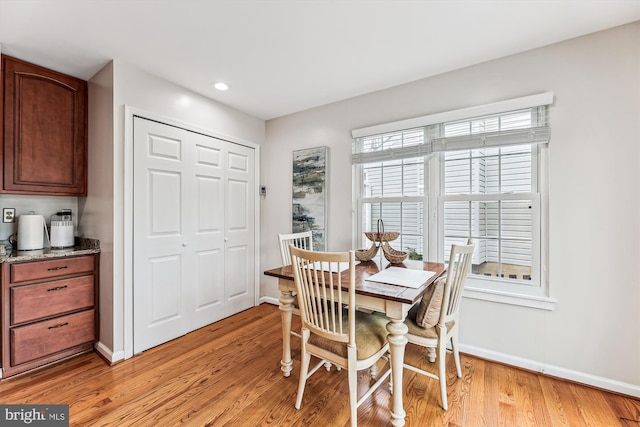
(402, 277)
(325, 266)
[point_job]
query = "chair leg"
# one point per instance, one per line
(431, 353)
(353, 384)
(456, 353)
(353, 396)
(442, 372)
(304, 371)
(373, 371)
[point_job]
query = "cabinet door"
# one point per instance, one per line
(45, 131)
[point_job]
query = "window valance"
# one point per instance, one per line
(514, 122)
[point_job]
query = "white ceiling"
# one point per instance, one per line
(284, 56)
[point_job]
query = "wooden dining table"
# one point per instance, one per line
(393, 300)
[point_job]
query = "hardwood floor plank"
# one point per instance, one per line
(558, 402)
(536, 396)
(228, 374)
(593, 407)
(486, 414)
(626, 409)
(529, 392)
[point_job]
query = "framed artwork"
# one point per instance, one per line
(310, 194)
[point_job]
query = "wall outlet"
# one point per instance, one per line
(8, 215)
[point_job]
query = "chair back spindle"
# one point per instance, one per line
(303, 240)
(319, 289)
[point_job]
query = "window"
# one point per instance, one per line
(393, 190)
(474, 176)
(491, 196)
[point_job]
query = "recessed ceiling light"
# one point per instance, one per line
(221, 86)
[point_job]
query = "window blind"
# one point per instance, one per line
(527, 124)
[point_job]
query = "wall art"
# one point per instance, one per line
(310, 194)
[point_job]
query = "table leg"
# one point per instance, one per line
(397, 342)
(286, 310)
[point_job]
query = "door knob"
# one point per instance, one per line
(185, 244)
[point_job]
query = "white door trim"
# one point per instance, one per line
(129, 113)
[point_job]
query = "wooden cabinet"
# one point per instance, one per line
(44, 129)
(49, 311)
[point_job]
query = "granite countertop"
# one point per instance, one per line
(83, 246)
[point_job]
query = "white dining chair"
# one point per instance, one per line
(349, 339)
(435, 321)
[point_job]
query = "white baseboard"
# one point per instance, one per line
(270, 300)
(107, 353)
(556, 371)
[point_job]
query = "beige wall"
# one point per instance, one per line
(593, 334)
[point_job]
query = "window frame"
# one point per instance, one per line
(495, 289)
(476, 285)
(360, 201)
(488, 289)
(433, 151)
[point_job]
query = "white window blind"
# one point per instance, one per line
(500, 124)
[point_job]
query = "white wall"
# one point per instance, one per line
(97, 209)
(593, 335)
(113, 88)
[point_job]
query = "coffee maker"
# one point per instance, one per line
(62, 230)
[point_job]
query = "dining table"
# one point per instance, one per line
(394, 300)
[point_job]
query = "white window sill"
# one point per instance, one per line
(532, 301)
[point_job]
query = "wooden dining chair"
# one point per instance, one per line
(435, 321)
(303, 240)
(349, 339)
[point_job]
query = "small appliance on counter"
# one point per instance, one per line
(62, 230)
(32, 229)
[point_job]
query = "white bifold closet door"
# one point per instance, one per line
(194, 233)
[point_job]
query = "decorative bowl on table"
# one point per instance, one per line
(367, 254)
(385, 236)
(381, 238)
(392, 255)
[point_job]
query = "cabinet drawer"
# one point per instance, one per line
(50, 336)
(48, 269)
(31, 302)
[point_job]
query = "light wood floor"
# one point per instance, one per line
(228, 374)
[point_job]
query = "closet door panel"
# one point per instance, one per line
(240, 230)
(160, 269)
(194, 234)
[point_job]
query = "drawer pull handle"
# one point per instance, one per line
(58, 326)
(57, 288)
(57, 268)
